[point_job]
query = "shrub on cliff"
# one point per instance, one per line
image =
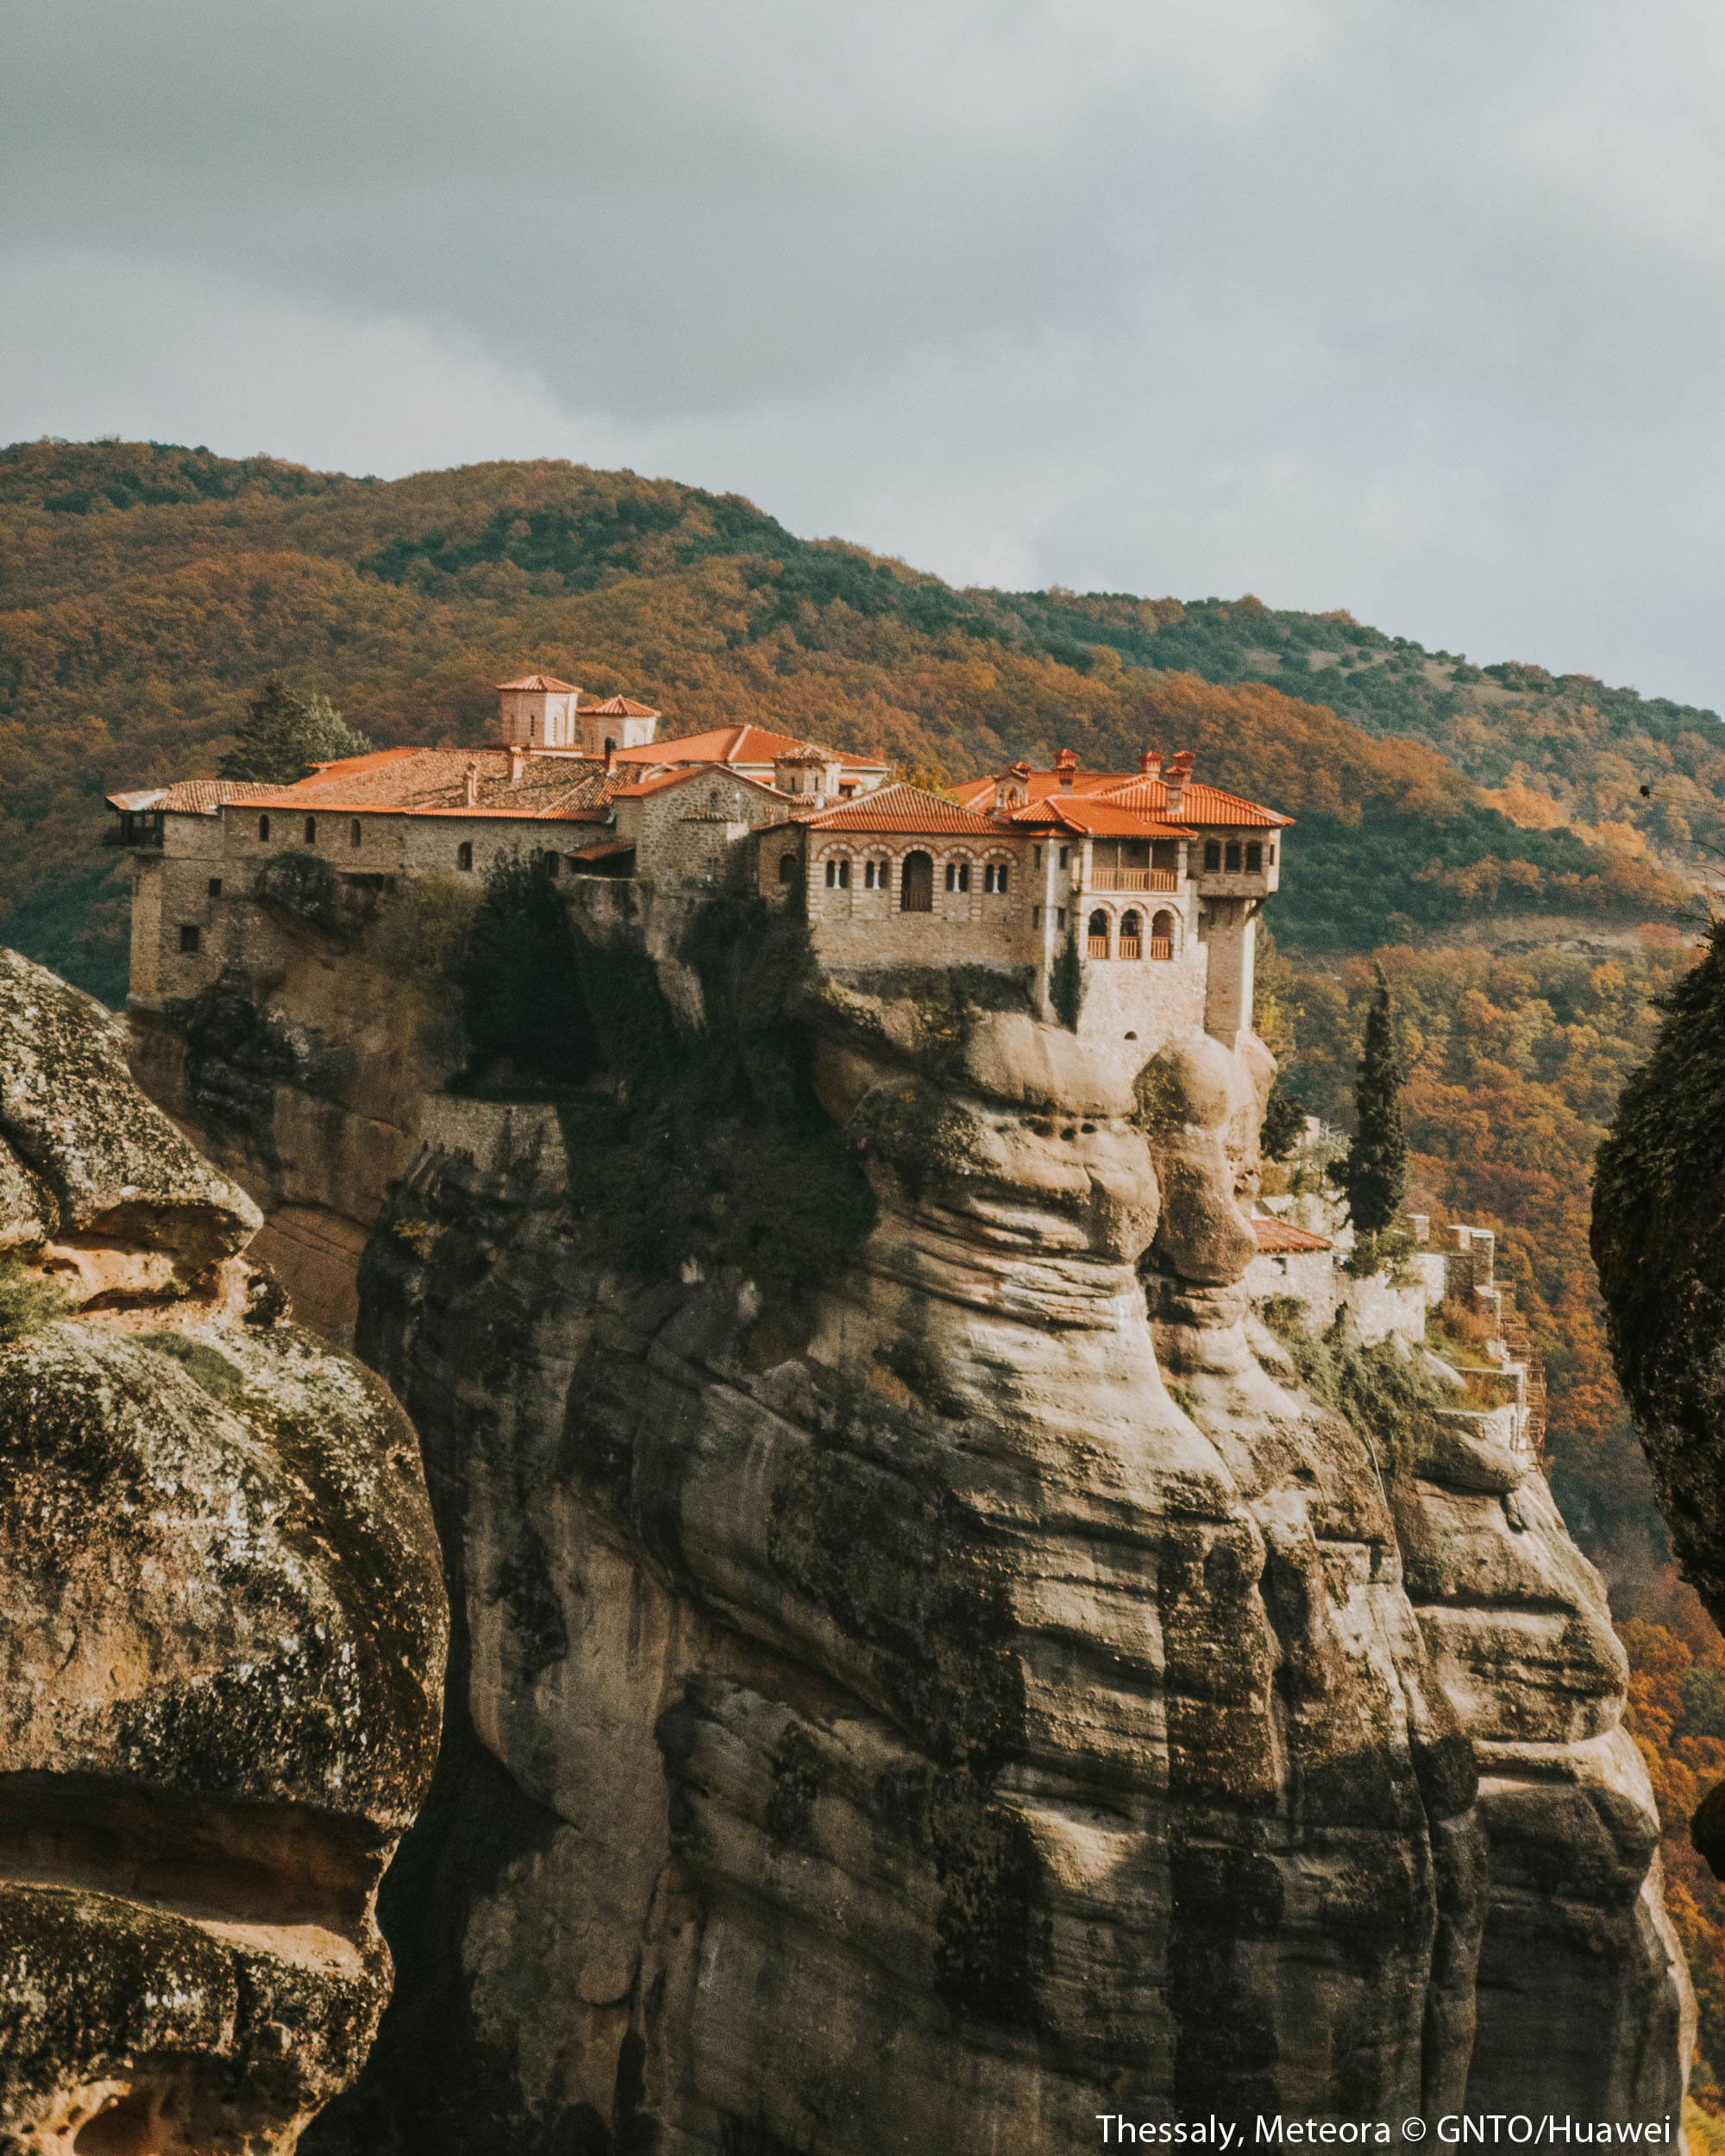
(522, 1002)
(28, 1302)
(712, 1147)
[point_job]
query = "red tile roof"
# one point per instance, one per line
(433, 782)
(735, 745)
(1203, 805)
(904, 808)
(1281, 1237)
(540, 681)
(604, 850)
(691, 774)
(621, 707)
(193, 797)
(1094, 814)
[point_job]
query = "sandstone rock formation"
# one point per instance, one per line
(979, 1689)
(221, 1629)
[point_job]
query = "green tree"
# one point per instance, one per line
(1067, 983)
(521, 995)
(1284, 1118)
(1375, 1173)
(285, 734)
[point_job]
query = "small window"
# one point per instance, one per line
(787, 868)
(958, 875)
(264, 829)
(311, 831)
(1254, 859)
(1037, 850)
(553, 864)
(1036, 917)
(464, 855)
(868, 872)
(532, 729)
(189, 938)
(610, 747)
(1270, 855)
(215, 887)
(1065, 855)
(353, 832)
(1060, 917)
(994, 876)
(1212, 854)
(1233, 858)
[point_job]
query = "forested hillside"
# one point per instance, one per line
(146, 590)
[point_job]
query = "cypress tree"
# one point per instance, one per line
(1374, 1174)
(284, 733)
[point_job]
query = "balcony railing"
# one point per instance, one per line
(1099, 947)
(1133, 879)
(1131, 947)
(1162, 947)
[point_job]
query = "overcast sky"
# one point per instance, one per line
(1415, 307)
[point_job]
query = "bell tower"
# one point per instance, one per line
(538, 711)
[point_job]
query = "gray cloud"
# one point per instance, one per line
(1408, 305)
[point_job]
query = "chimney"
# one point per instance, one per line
(610, 756)
(470, 786)
(1066, 766)
(1150, 763)
(517, 757)
(1179, 771)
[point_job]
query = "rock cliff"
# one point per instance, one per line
(222, 1629)
(1658, 1210)
(957, 1683)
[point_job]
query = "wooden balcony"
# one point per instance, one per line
(1162, 947)
(1131, 947)
(1099, 947)
(1133, 879)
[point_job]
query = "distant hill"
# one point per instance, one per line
(146, 590)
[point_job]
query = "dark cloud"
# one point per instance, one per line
(1408, 306)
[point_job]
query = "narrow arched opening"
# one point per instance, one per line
(1162, 935)
(916, 884)
(1131, 936)
(1098, 934)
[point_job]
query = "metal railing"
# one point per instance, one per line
(1133, 879)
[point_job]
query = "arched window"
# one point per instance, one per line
(787, 868)
(353, 832)
(994, 876)
(1162, 935)
(311, 831)
(464, 854)
(1098, 934)
(1131, 936)
(264, 829)
(839, 875)
(916, 883)
(958, 875)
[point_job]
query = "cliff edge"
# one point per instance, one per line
(222, 1626)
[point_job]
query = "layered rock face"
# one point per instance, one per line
(222, 1628)
(982, 1691)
